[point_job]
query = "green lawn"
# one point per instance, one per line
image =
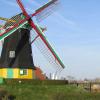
(47, 92)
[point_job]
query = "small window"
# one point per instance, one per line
(23, 72)
(12, 54)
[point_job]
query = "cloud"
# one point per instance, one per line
(65, 20)
(62, 18)
(34, 3)
(67, 23)
(16, 5)
(9, 2)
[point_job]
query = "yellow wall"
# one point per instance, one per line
(0, 72)
(3, 73)
(28, 76)
(16, 72)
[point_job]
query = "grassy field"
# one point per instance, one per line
(48, 92)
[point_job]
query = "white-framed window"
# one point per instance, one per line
(11, 54)
(23, 71)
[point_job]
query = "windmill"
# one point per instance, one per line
(16, 57)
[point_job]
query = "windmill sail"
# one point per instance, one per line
(6, 19)
(46, 10)
(11, 27)
(48, 52)
(8, 32)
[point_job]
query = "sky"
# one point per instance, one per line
(73, 30)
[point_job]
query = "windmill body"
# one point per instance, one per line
(16, 57)
(16, 60)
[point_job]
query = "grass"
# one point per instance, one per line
(49, 92)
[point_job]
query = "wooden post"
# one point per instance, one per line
(90, 87)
